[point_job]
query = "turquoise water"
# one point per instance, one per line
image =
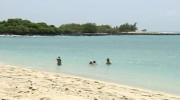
(151, 62)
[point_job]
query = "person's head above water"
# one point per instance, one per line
(108, 61)
(90, 62)
(94, 61)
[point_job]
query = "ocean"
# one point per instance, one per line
(145, 61)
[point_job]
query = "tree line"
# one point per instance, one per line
(19, 26)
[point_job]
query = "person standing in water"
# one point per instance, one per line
(108, 61)
(58, 61)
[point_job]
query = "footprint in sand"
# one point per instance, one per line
(45, 98)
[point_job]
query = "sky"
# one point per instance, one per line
(153, 15)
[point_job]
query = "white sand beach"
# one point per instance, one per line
(26, 84)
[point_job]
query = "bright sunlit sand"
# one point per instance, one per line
(27, 84)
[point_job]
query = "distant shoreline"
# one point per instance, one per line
(101, 34)
(133, 33)
(18, 26)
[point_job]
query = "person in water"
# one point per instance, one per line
(90, 63)
(58, 61)
(94, 63)
(108, 61)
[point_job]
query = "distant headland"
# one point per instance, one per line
(19, 26)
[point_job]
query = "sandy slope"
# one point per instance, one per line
(26, 84)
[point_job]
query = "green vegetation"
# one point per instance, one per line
(89, 28)
(128, 28)
(70, 29)
(26, 27)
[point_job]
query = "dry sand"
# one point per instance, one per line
(27, 84)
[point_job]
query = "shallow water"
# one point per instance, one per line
(146, 61)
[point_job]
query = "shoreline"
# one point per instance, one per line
(100, 34)
(26, 84)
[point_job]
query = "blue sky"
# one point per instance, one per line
(154, 15)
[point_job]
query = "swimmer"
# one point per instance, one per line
(90, 63)
(94, 63)
(108, 61)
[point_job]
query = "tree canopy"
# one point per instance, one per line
(19, 26)
(70, 28)
(89, 28)
(128, 27)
